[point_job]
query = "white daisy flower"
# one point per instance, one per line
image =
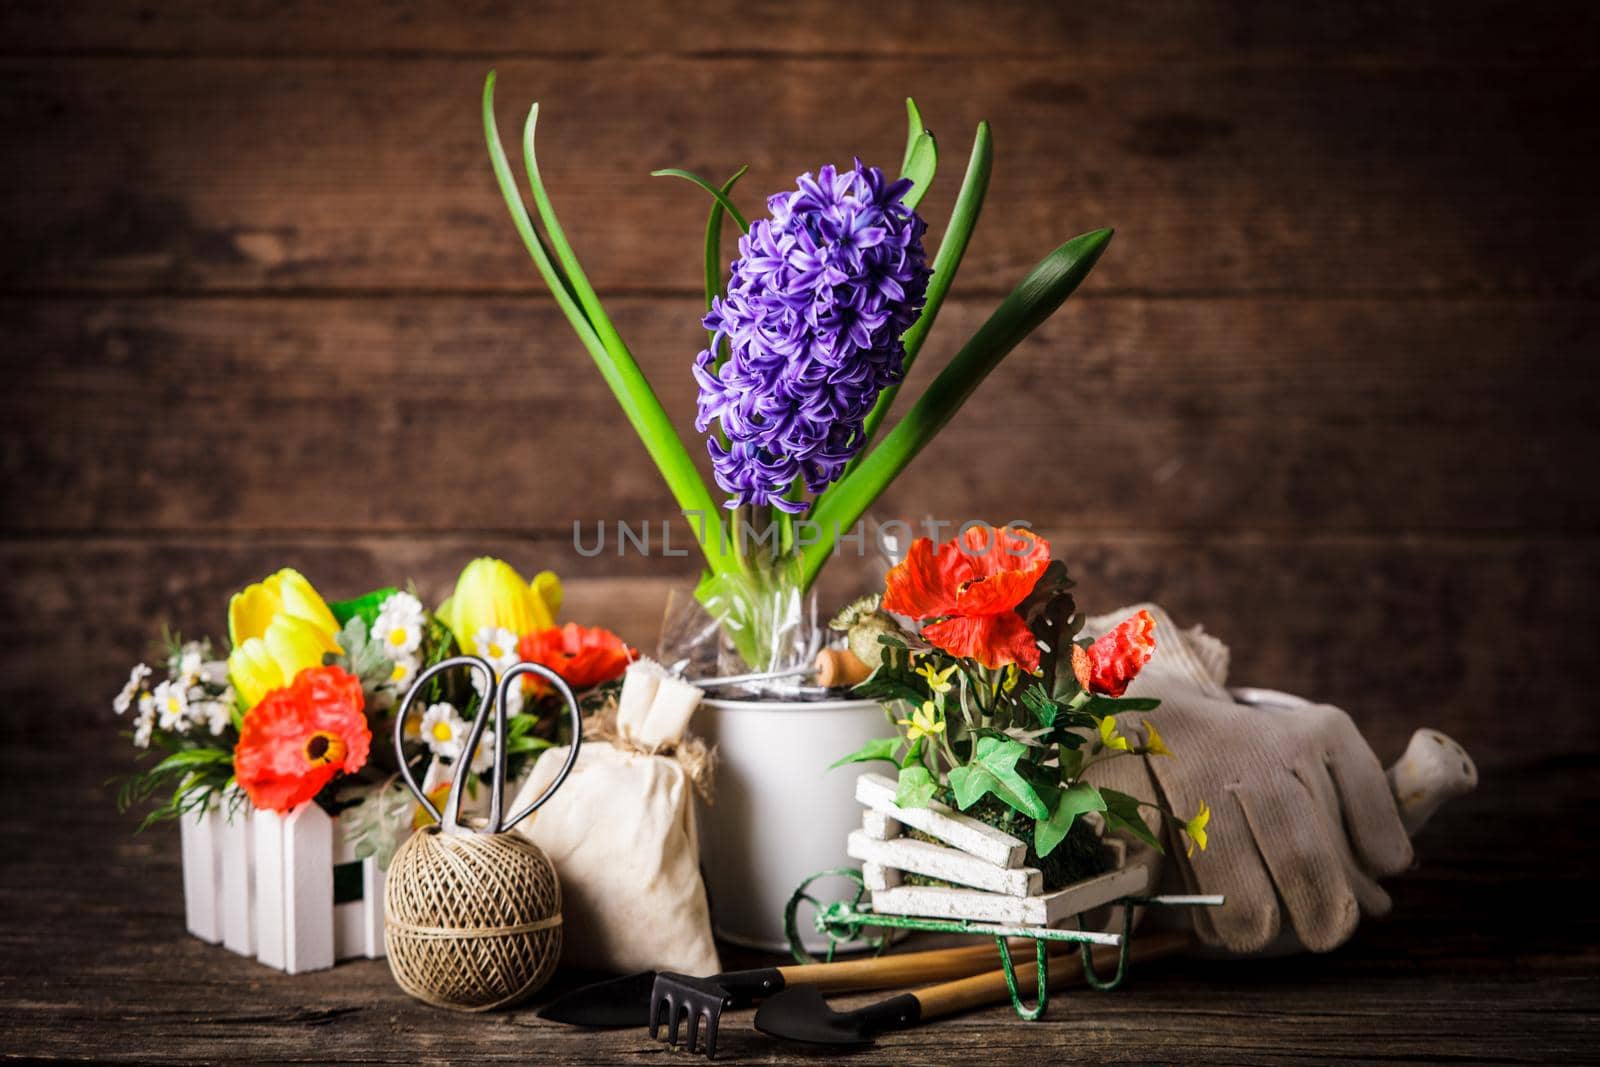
(172, 706)
(214, 713)
(483, 758)
(514, 698)
(404, 672)
(124, 700)
(443, 730)
(498, 645)
(190, 661)
(399, 625)
(146, 720)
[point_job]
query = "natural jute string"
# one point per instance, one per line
(473, 921)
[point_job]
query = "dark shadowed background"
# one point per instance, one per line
(1331, 391)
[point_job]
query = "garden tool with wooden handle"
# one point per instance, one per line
(1304, 819)
(650, 999)
(802, 1015)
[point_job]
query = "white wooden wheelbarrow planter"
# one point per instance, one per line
(286, 889)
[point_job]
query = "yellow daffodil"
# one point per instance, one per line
(938, 681)
(278, 626)
(924, 722)
(1153, 743)
(1109, 736)
(1196, 828)
(491, 595)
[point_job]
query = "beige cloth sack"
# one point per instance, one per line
(621, 834)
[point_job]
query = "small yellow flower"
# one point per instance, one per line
(1196, 828)
(938, 681)
(924, 722)
(1153, 744)
(1109, 736)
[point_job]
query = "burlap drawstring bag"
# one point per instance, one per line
(621, 834)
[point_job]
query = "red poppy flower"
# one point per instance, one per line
(584, 656)
(299, 736)
(973, 585)
(1117, 657)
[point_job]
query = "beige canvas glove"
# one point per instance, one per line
(1303, 820)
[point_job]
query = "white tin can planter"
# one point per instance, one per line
(780, 814)
(286, 889)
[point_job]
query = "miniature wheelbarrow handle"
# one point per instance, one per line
(494, 702)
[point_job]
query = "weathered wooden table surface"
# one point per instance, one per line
(1490, 956)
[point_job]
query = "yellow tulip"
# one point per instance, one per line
(278, 627)
(490, 593)
(285, 593)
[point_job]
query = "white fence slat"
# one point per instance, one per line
(880, 826)
(946, 864)
(349, 938)
(308, 890)
(878, 877)
(202, 868)
(270, 937)
(941, 903)
(238, 887)
(372, 883)
(952, 827)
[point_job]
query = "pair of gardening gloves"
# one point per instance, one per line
(1303, 820)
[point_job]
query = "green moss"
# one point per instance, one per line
(1077, 857)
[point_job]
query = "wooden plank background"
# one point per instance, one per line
(1331, 392)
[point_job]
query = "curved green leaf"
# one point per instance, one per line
(716, 194)
(915, 128)
(714, 238)
(953, 246)
(879, 748)
(1034, 299)
(993, 769)
(916, 787)
(581, 305)
(922, 163)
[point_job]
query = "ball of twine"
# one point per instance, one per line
(472, 921)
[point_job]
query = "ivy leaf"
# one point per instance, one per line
(1071, 758)
(1122, 813)
(994, 770)
(916, 788)
(1074, 801)
(879, 748)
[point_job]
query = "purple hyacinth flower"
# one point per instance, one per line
(816, 305)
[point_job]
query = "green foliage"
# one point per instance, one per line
(916, 787)
(362, 656)
(1069, 804)
(379, 821)
(879, 748)
(993, 769)
(1122, 813)
(364, 607)
(197, 772)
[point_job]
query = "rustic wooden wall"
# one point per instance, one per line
(1331, 391)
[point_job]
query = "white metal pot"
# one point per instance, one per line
(780, 815)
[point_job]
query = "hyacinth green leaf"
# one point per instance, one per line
(716, 194)
(579, 303)
(714, 238)
(915, 128)
(957, 235)
(1034, 299)
(921, 165)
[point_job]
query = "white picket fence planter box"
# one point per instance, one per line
(286, 889)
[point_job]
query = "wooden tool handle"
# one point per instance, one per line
(840, 667)
(1065, 969)
(890, 972)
